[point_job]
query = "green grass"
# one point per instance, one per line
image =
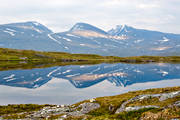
(30, 55)
(12, 109)
(27, 59)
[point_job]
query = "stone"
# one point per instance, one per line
(62, 105)
(177, 104)
(111, 108)
(127, 109)
(92, 100)
(166, 96)
(64, 116)
(87, 107)
(139, 97)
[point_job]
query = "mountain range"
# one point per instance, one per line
(84, 38)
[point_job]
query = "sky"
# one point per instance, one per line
(61, 15)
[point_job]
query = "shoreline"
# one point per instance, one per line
(143, 102)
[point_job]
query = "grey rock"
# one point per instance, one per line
(139, 97)
(75, 113)
(166, 96)
(127, 109)
(87, 107)
(177, 104)
(161, 97)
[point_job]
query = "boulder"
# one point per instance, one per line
(127, 109)
(166, 96)
(87, 107)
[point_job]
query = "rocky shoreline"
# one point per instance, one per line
(164, 104)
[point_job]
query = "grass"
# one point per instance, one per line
(30, 55)
(12, 109)
(28, 59)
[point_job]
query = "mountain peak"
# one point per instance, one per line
(120, 29)
(86, 27)
(31, 25)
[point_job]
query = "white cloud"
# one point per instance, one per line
(60, 15)
(145, 6)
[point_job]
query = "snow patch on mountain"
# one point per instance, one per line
(49, 35)
(31, 28)
(164, 40)
(9, 32)
(71, 35)
(67, 39)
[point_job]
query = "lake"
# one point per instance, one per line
(73, 83)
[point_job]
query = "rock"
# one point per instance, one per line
(177, 104)
(161, 97)
(87, 107)
(75, 113)
(62, 105)
(64, 116)
(127, 109)
(139, 97)
(92, 100)
(111, 108)
(166, 96)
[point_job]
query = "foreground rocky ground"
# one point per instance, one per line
(151, 104)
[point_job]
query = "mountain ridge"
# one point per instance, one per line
(121, 41)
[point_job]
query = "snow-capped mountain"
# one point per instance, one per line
(82, 76)
(123, 40)
(86, 27)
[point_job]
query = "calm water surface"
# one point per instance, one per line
(70, 84)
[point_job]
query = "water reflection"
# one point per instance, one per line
(57, 85)
(82, 76)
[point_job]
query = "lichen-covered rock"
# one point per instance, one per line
(139, 97)
(49, 111)
(161, 97)
(87, 107)
(169, 95)
(127, 109)
(92, 100)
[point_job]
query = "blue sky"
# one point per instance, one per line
(61, 15)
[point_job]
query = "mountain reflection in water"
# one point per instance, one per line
(82, 76)
(61, 84)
